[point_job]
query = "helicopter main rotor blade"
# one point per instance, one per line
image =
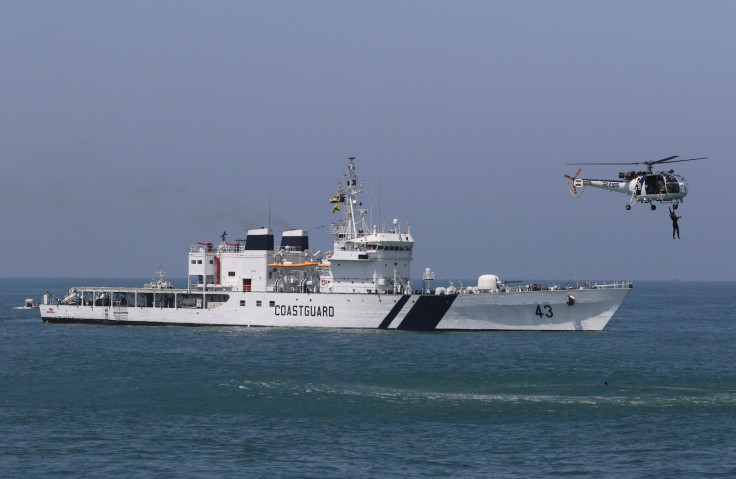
(670, 159)
(601, 163)
(677, 161)
(648, 163)
(663, 160)
(628, 163)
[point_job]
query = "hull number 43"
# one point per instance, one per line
(544, 310)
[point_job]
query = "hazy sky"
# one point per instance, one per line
(131, 130)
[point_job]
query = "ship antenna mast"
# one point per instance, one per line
(349, 229)
(351, 189)
(379, 200)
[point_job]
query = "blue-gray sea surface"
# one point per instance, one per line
(652, 396)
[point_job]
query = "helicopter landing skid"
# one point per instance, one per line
(632, 202)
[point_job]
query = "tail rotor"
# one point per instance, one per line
(574, 184)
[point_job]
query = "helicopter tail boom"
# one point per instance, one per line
(576, 185)
(609, 185)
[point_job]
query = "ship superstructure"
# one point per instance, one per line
(364, 259)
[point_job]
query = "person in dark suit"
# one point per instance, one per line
(675, 227)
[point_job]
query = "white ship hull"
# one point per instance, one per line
(546, 310)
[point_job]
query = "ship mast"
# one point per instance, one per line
(350, 229)
(352, 188)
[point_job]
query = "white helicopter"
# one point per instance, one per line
(641, 186)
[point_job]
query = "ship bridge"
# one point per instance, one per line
(366, 259)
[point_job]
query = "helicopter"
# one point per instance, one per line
(641, 186)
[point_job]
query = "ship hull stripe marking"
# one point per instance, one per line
(394, 312)
(427, 312)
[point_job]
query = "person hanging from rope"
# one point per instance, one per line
(675, 227)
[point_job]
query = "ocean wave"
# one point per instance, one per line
(660, 398)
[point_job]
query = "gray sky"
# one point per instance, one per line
(130, 130)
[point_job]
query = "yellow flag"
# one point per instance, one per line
(336, 208)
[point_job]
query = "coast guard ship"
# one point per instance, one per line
(364, 282)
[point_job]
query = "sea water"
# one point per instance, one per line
(651, 396)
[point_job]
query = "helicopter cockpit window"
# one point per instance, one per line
(654, 184)
(673, 186)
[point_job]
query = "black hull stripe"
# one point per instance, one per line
(110, 322)
(394, 312)
(427, 312)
